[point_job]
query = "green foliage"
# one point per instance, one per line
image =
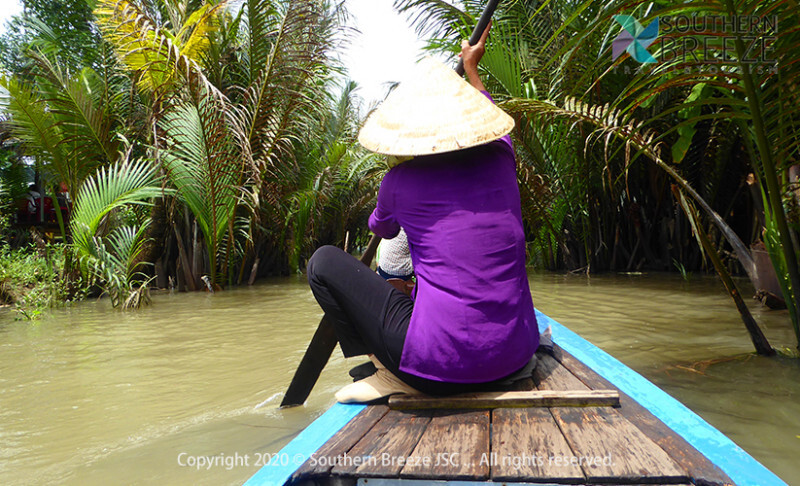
(13, 174)
(63, 120)
(204, 163)
(161, 54)
(685, 274)
(230, 101)
(4, 205)
(110, 253)
(772, 241)
(112, 188)
(334, 182)
(754, 100)
(67, 24)
(114, 261)
(13, 181)
(33, 280)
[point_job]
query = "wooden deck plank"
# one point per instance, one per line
(454, 446)
(389, 442)
(524, 445)
(341, 443)
(698, 466)
(510, 399)
(642, 448)
(600, 432)
(550, 374)
(614, 449)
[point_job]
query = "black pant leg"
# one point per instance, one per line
(370, 316)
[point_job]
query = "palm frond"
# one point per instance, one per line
(438, 18)
(204, 163)
(114, 262)
(288, 52)
(608, 124)
(126, 242)
(77, 104)
(159, 56)
(112, 187)
(264, 20)
(31, 122)
(199, 26)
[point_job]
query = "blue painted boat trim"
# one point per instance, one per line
(742, 468)
(295, 453)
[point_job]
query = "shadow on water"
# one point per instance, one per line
(94, 396)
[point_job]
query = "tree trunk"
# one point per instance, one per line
(756, 335)
(183, 263)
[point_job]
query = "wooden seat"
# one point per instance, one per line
(509, 399)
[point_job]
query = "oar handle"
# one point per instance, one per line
(369, 253)
(486, 17)
(319, 350)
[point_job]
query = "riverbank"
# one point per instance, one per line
(92, 395)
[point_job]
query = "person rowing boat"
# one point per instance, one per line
(454, 191)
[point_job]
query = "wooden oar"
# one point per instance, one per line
(324, 340)
(483, 22)
(319, 350)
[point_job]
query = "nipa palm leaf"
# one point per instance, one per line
(112, 187)
(203, 160)
(159, 56)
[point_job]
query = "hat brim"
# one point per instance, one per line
(435, 111)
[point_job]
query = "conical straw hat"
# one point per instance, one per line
(434, 111)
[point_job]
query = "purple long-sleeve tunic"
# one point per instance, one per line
(473, 318)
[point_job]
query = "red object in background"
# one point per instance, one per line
(49, 212)
(28, 211)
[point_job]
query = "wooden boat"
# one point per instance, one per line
(647, 438)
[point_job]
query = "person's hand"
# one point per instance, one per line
(471, 55)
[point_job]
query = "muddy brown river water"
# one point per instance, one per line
(93, 396)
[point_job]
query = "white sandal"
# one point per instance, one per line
(379, 385)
